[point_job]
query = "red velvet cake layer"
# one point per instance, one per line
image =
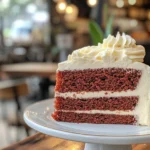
(93, 118)
(101, 103)
(111, 79)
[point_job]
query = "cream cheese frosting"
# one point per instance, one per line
(124, 41)
(116, 48)
(116, 112)
(119, 51)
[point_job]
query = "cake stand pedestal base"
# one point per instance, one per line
(90, 146)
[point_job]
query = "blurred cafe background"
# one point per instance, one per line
(35, 35)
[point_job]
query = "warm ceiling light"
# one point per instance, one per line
(120, 3)
(61, 6)
(92, 3)
(132, 2)
(71, 13)
(69, 9)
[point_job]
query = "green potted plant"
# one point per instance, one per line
(97, 34)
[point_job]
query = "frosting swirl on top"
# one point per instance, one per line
(121, 47)
(124, 41)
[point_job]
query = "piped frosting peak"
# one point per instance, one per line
(120, 48)
(120, 41)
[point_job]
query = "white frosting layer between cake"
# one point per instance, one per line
(119, 52)
(117, 112)
(84, 95)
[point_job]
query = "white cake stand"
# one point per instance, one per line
(96, 137)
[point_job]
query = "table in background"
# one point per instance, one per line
(28, 69)
(44, 142)
(46, 70)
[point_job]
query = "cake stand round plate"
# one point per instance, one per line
(96, 136)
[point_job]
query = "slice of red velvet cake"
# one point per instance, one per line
(104, 84)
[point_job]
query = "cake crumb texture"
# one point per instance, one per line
(111, 79)
(93, 118)
(101, 103)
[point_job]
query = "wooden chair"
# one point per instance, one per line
(13, 90)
